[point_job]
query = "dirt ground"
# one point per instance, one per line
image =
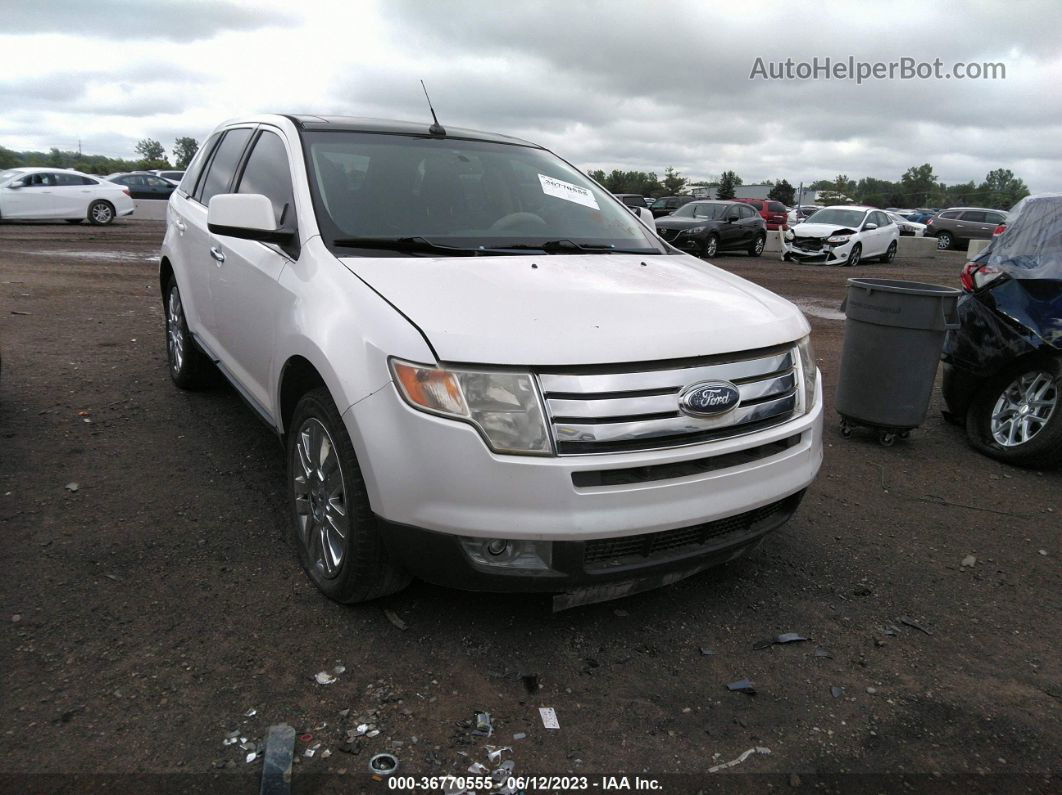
(149, 608)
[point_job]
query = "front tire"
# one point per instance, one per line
(334, 527)
(1016, 417)
(756, 249)
(711, 246)
(100, 213)
(854, 255)
(944, 241)
(890, 253)
(189, 367)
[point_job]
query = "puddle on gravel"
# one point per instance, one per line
(818, 308)
(122, 256)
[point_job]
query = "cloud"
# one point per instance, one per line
(174, 20)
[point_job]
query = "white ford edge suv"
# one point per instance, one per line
(487, 372)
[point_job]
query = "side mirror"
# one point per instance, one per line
(248, 216)
(732, 219)
(868, 227)
(18, 183)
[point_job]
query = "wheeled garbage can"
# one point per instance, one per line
(893, 337)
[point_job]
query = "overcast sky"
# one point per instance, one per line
(612, 84)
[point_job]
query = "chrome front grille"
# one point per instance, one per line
(616, 409)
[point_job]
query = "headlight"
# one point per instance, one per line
(696, 230)
(839, 239)
(808, 371)
(504, 407)
(789, 234)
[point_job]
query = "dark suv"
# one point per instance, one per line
(1003, 366)
(666, 205)
(962, 224)
(705, 228)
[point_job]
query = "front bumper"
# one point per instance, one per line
(684, 241)
(829, 254)
(585, 572)
(433, 481)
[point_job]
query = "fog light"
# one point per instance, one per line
(501, 553)
(497, 547)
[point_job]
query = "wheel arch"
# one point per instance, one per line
(165, 274)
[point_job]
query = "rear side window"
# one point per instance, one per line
(995, 218)
(89, 181)
(267, 172)
(746, 211)
(949, 215)
(776, 207)
(68, 180)
(974, 216)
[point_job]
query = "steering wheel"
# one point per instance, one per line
(514, 221)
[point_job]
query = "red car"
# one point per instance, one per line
(774, 213)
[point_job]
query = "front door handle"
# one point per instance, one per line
(217, 254)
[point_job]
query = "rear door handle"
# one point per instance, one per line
(217, 254)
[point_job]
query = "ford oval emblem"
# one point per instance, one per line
(709, 398)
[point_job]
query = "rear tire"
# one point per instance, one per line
(189, 367)
(998, 426)
(100, 213)
(756, 249)
(334, 528)
(890, 253)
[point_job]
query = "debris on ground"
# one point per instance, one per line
(759, 749)
(836, 692)
(393, 617)
(706, 652)
(549, 717)
(383, 765)
(519, 735)
(821, 652)
(909, 622)
(786, 637)
(325, 678)
(72, 487)
(494, 753)
(250, 713)
(478, 769)
(742, 686)
(620, 613)
(279, 752)
(483, 725)
(339, 669)
(891, 631)
(968, 562)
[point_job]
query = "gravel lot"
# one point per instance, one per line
(145, 613)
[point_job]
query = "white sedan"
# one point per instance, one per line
(910, 228)
(47, 193)
(842, 235)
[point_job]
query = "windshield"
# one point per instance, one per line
(1031, 246)
(850, 218)
(461, 197)
(711, 212)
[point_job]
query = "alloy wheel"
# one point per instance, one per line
(101, 213)
(175, 330)
(759, 246)
(944, 242)
(1024, 408)
(711, 247)
(320, 499)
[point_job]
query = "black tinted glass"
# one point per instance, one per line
(267, 173)
(223, 165)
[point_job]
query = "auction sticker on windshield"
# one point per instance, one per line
(567, 191)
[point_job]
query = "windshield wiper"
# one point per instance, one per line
(414, 244)
(568, 246)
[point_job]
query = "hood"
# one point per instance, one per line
(671, 222)
(821, 230)
(578, 308)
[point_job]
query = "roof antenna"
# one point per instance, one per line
(436, 128)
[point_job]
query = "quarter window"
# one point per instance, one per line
(975, 217)
(223, 165)
(267, 173)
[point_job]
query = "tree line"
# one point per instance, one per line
(152, 155)
(918, 187)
